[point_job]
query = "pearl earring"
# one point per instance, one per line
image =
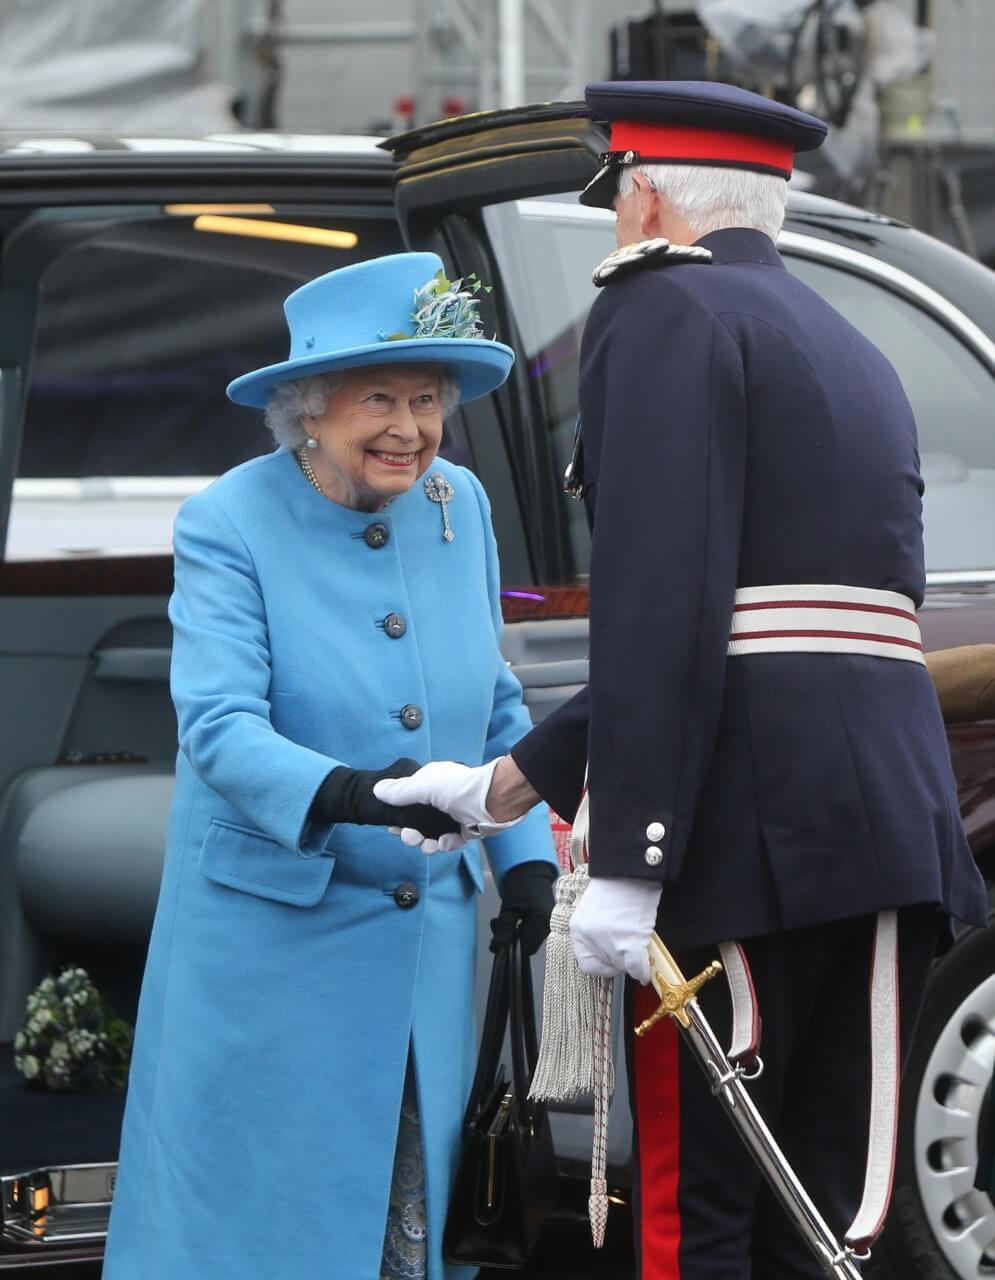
(312, 443)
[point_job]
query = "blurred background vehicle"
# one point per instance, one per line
(906, 84)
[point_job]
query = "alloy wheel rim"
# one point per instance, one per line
(952, 1096)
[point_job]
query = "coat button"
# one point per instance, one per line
(394, 625)
(376, 536)
(653, 856)
(655, 832)
(406, 896)
(412, 716)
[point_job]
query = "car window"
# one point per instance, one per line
(142, 321)
(546, 249)
(953, 397)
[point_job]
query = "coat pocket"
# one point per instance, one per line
(243, 859)
(470, 854)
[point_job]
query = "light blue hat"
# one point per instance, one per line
(400, 309)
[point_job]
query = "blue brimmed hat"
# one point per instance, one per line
(399, 309)
(694, 122)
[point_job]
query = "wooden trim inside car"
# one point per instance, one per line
(523, 604)
(89, 576)
(153, 576)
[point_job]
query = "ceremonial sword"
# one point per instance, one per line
(678, 1000)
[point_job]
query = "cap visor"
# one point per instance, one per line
(600, 191)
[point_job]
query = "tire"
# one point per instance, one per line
(940, 1227)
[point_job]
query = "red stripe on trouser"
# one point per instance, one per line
(658, 1116)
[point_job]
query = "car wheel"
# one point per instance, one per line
(940, 1227)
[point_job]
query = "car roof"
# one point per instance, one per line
(24, 144)
(17, 144)
(805, 202)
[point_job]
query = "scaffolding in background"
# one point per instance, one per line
(480, 54)
(467, 55)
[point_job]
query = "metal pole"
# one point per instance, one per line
(511, 40)
(340, 32)
(487, 87)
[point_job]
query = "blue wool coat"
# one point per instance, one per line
(285, 985)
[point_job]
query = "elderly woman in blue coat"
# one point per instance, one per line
(305, 1039)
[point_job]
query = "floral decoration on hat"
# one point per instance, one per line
(445, 308)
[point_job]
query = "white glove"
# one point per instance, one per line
(611, 926)
(454, 788)
(448, 843)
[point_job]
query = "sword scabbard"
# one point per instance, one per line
(677, 1000)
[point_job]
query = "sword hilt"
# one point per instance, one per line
(674, 989)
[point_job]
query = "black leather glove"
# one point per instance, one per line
(346, 795)
(526, 905)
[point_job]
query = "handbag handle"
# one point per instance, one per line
(510, 1004)
(492, 1033)
(523, 1034)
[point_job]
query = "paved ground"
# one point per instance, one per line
(565, 1253)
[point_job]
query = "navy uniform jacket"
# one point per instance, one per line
(739, 432)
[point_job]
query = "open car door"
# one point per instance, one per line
(496, 194)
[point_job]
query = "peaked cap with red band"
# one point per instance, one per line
(694, 122)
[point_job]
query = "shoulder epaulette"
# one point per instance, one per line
(647, 253)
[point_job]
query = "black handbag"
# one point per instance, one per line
(506, 1178)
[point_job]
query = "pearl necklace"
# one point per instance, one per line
(305, 465)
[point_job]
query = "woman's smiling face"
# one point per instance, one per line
(380, 431)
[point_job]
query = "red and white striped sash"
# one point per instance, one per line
(821, 618)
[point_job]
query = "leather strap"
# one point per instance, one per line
(885, 1031)
(745, 1044)
(492, 1034)
(523, 1035)
(883, 1013)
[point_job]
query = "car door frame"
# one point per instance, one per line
(119, 179)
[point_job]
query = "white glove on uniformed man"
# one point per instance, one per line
(456, 789)
(612, 923)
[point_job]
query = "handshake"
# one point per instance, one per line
(438, 807)
(443, 805)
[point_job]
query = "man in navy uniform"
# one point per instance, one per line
(765, 754)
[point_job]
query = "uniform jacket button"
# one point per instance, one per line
(376, 535)
(394, 625)
(406, 896)
(653, 856)
(411, 716)
(655, 832)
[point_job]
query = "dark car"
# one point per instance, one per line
(137, 277)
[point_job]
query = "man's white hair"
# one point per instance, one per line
(710, 199)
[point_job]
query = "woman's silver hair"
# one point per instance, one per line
(710, 199)
(298, 398)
